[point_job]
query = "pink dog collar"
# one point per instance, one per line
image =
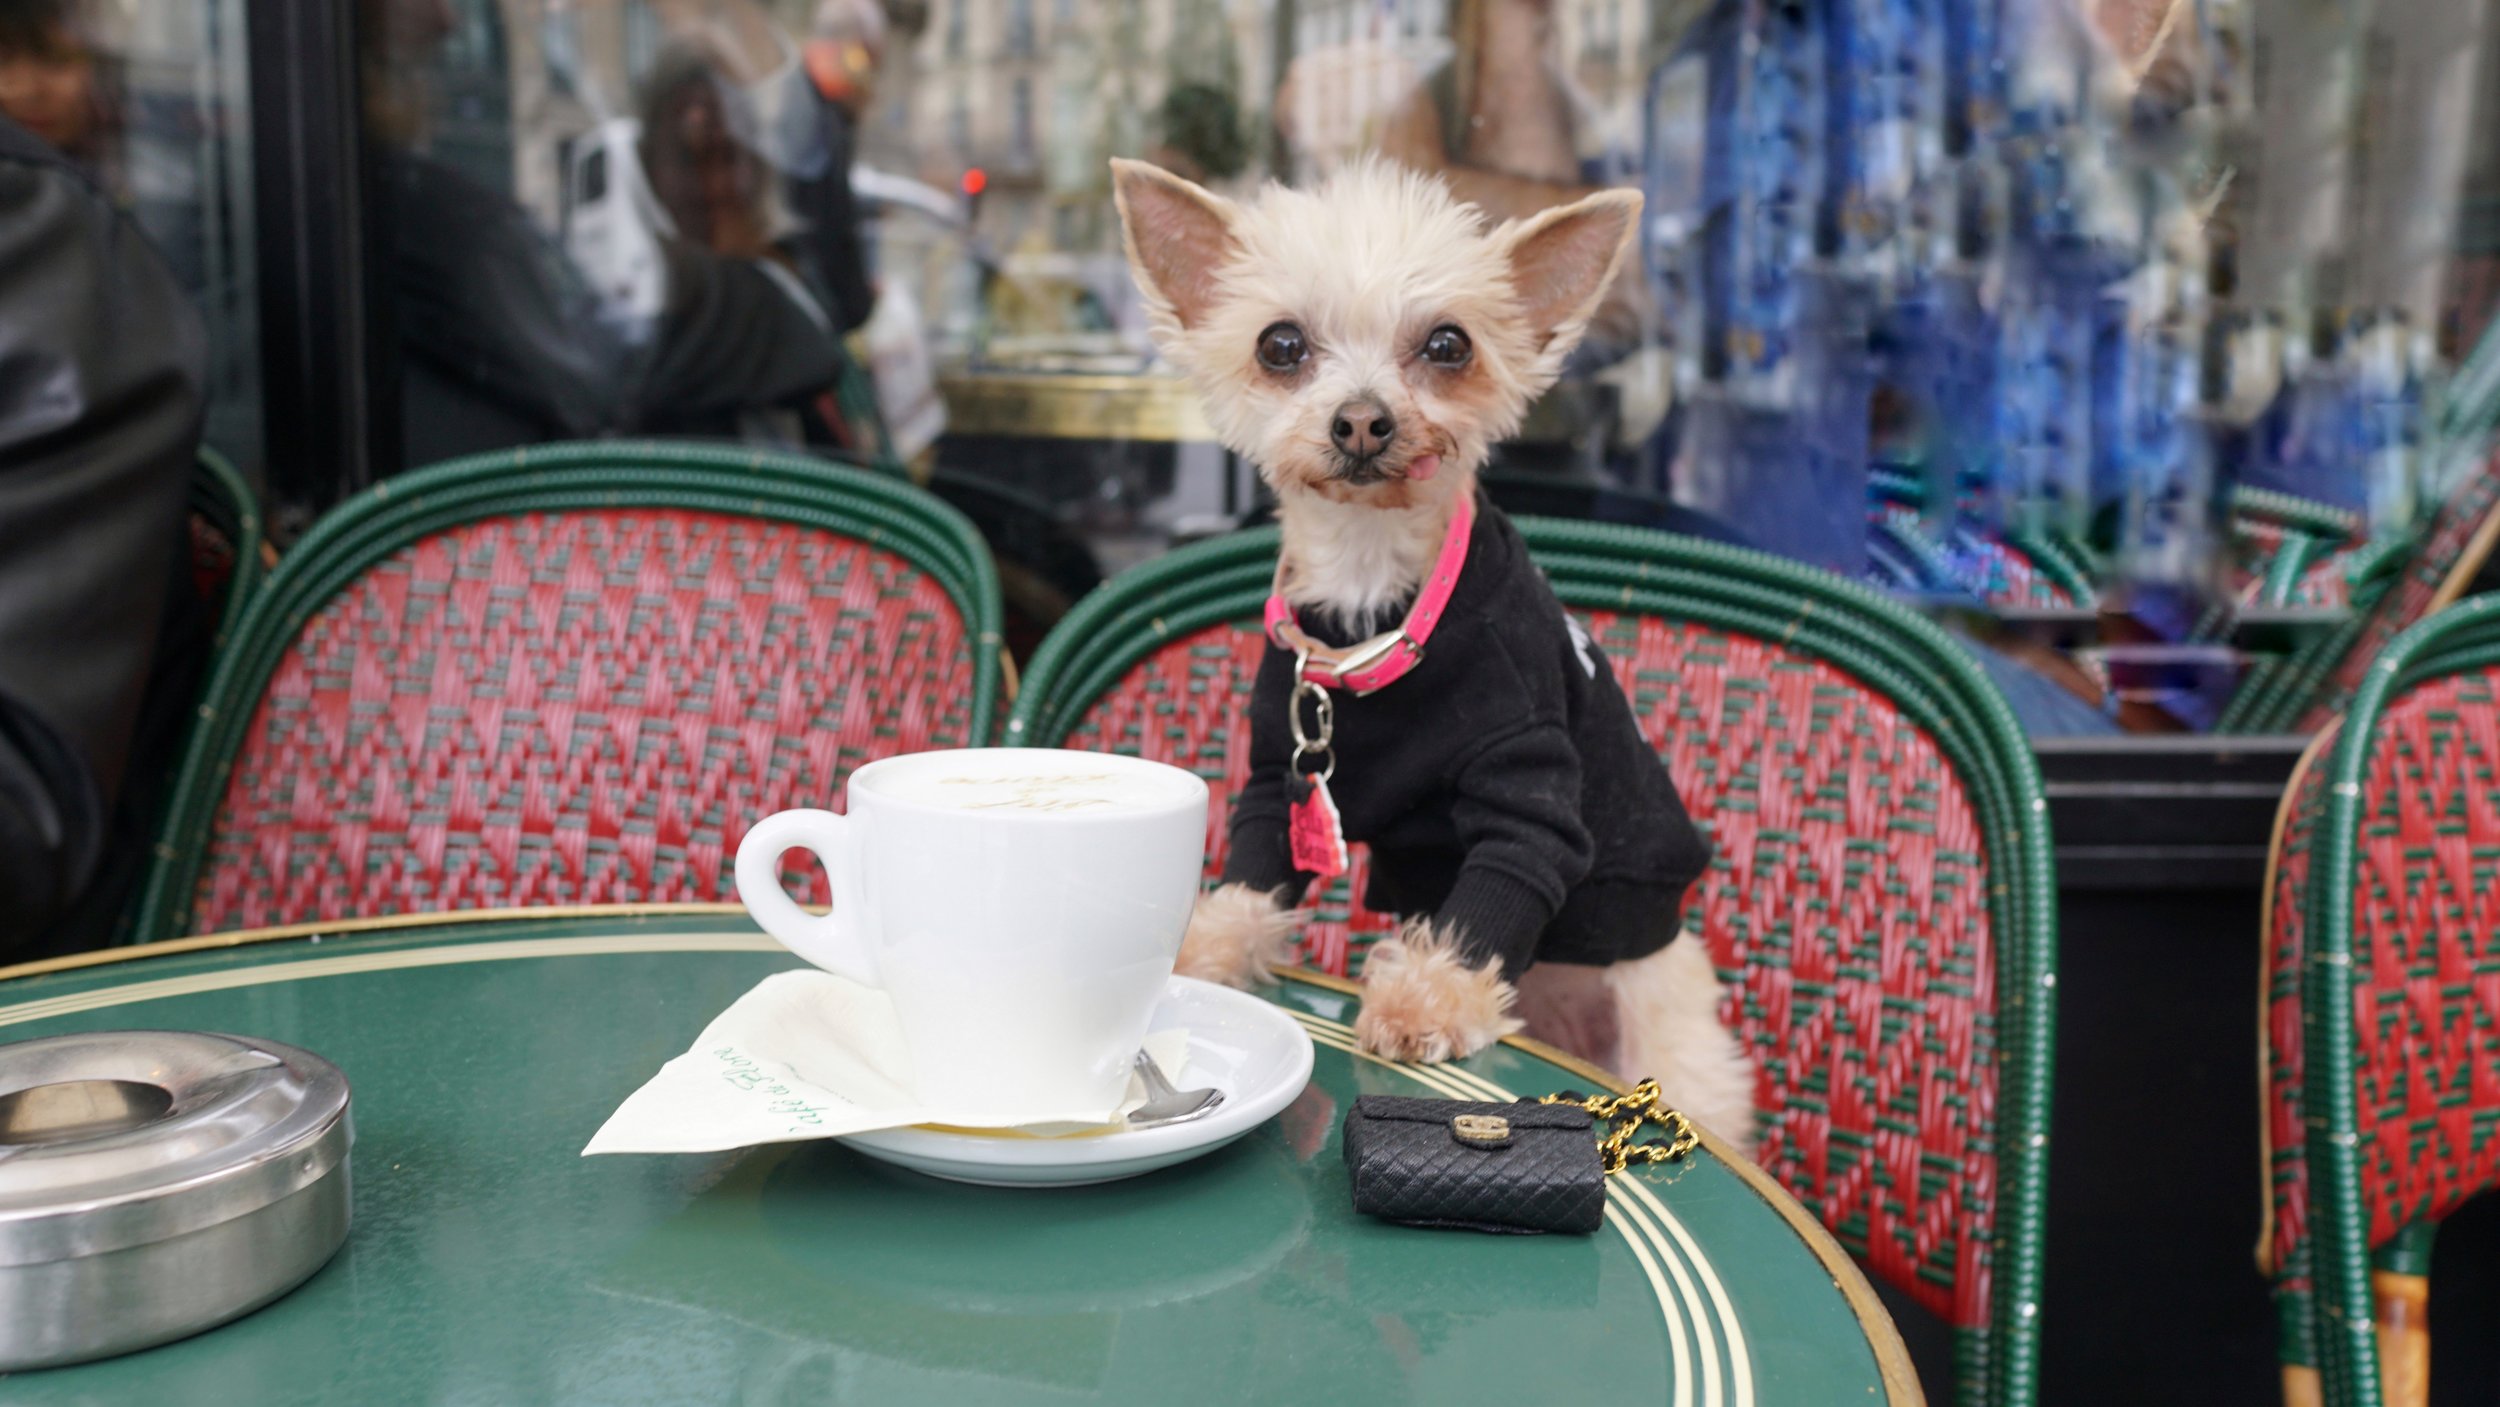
(1384, 659)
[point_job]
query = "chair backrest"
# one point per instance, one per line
(1880, 897)
(2382, 1074)
(2020, 569)
(2291, 551)
(569, 675)
(2451, 548)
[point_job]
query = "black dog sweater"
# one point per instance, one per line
(1502, 784)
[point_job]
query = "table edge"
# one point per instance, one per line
(1892, 1359)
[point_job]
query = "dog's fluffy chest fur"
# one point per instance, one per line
(1358, 564)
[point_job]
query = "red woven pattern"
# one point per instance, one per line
(2287, 1171)
(1847, 904)
(574, 708)
(2409, 598)
(2426, 954)
(2326, 583)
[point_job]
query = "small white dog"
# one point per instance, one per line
(1365, 343)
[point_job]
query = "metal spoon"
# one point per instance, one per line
(1166, 1105)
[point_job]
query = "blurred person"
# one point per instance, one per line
(716, 189)
(52, 81)
(64, 84)
(1506, 130)
(1502, 125)
(844, 52)
(721, 156)
(100, 409)
(508, 343)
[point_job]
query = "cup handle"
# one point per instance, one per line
(831, 941)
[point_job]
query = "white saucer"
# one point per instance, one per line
(1255, 1053)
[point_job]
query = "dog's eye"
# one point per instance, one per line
(1282, 347)
(1447, 346)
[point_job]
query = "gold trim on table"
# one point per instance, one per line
(369, 923)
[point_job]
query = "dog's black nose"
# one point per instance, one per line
(1362, 428)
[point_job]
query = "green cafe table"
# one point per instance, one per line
(489, 1263)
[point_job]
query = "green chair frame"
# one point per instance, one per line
(362, 532)
(1890, 649)
(2339, 1326)
(220, 498)
(2387, 577)
(2308, 532)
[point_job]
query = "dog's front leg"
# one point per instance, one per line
(1237, 934)
(1422, 999)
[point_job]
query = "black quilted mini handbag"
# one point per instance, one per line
(1519, 1168)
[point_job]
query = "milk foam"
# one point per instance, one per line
(1036, 782)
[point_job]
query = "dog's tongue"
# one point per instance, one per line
(1424, 467)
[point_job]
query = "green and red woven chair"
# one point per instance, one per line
(2021, 569)
(2391, 586)
(2292, 551)
(568, 675)
(1881, 899)
(2382, 1009)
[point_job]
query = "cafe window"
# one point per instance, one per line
(2047, 317)
(150, 99)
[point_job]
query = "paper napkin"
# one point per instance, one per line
(803, 1055)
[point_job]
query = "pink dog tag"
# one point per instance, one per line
(1318, 838)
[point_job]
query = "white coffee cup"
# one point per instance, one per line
(1021, 906)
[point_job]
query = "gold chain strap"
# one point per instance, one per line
(1626, 1113)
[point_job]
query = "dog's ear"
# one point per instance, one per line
(1177, 235)
(1562, 261)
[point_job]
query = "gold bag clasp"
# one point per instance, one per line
(1481, 1129)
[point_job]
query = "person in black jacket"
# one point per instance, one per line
(101, 371)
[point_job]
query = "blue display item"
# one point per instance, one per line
(1791, 478)
(2309, 440)
(1936, 359)
(1676, 202)
(1761, 183)
(2389, 418)
(2169, 563)
(1989, 250)
(1884, 108)
(1974, 76)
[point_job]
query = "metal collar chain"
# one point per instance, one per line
(1626, 1114)
(1316, 740)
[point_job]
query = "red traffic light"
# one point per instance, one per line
(975, 180)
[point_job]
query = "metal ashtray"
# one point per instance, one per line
(157, 1183)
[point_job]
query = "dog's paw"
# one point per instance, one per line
(1236, 934)
(1422, 1001)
